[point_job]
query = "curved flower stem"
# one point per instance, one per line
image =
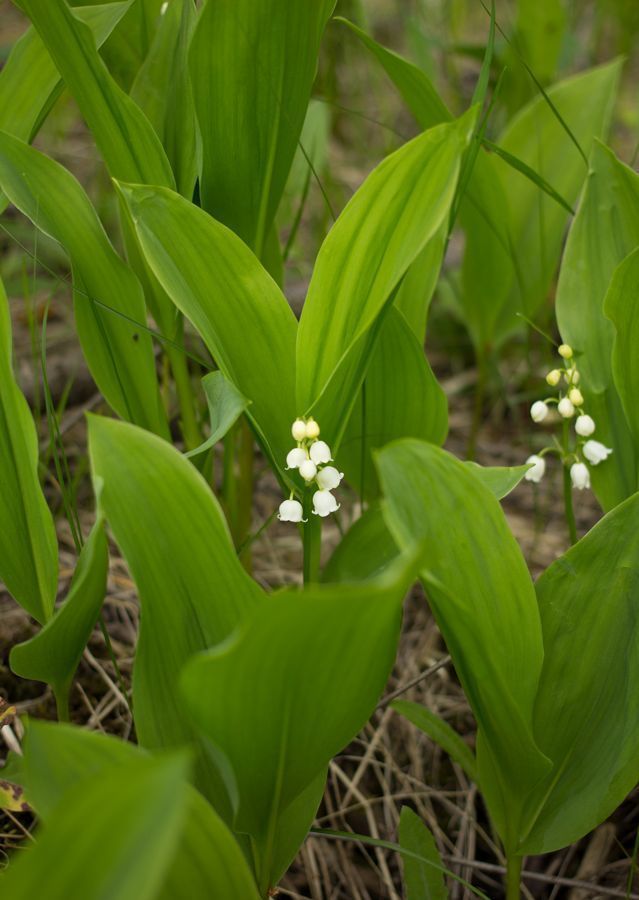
(568, 507)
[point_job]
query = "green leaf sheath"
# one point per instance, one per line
(28, 544)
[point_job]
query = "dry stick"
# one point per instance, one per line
(422, 677)
(547, 879)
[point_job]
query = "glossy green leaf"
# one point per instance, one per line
(29, 80)
(162, 90)
(118, 352)
(123, 852)
(418, 285)
(206, 861)
(226, 405)
(256, 697)
(366, 550)
(587, 708)
(482, 596)
(620, 306)
(500, 480)
(53, 654)
(253, 63)
(129, 146)
(441, 732)
(400, 206)
(241, 314)
(400, 398)
(28, 545)
(422, 881)
(193, 590)
(592, 253)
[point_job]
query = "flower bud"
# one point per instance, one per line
(329, 478)
(312, 429)
(565, 350)
(320, 452)
(585, 425)
(596, 452)
(553, 377)
(291, 511)
(298, 429)
(576, 397)
(324, 503)
(572, 376)
(538, 411)
(308, 470)
(295, 458)
(565, 408)
(538, 464)
(580, 476)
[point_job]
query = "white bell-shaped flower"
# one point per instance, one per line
(585, 425)
(538, 464)
(538, 411)
(298, 429)
(295, 458)
(291, 511)
(324, 503)
(329, 478)
(312, 429)
(320, 452)
(308, 470)
(596, 452)
(565, 408)
(580, 476)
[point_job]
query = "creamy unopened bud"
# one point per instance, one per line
(576, 397)
(538, 411)
(291, 511)
(538, 464)
(553, 377)
(596, 452)
(312, 429)
(585, 425)
(320, 452)
(580, 476)
(298, 429)
(565, 350)
(565, 408)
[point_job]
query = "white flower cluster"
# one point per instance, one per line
(311, 458)
(569, 404)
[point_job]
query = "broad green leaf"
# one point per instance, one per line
(130, 148)
(53, 654)
(415, 87)
(400, 398)
(592, 254)
(241, 314)
(422, 881)
(28, 545)
(256, 697)
(162, 90)
(586, 723)
(226, 405)
(366, 550)
(29, 80)
(206, 861)
(500, 480)
(620, 306)
(193, 590)
(118, 352)
(294, 825)
(122, 853)
(418, 285)
(390, 219)
(253, 63)
(482, 596)
(441, 732)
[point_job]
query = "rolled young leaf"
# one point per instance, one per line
(226, 405)
(119, 352)
(482, 596)
(28, 544)
(193, 590)
(53, 654)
